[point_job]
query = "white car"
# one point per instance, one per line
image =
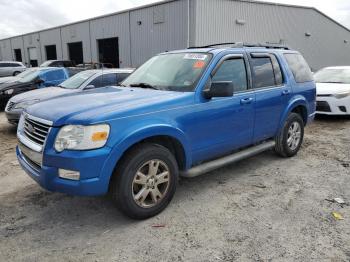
(333, 90)
(11, 68)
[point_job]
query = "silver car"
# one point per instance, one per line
(11, 68)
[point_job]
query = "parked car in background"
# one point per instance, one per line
(95, 65)
(58, 63)
(83, 81)
(33, 78)
(333, 90)
(184, 112)
(11, 68)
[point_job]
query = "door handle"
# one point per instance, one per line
(246, 101)
(285, 92)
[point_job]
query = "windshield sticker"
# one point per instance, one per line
(199, 64)
(195, 56)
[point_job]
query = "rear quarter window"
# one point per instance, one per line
(299, 67)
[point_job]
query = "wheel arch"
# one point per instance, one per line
(297, 105)
(172, 138)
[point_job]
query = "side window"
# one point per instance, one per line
(300, 69)
(104, 80)
(233, 70)
(121, 77)
(262, 70)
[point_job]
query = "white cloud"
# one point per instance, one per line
(23, 16)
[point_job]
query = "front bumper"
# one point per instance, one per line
(93, 181)
(332, 106)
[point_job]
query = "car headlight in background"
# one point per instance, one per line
(25, 104)
(8, 92)
(342, 95)
(76, 137)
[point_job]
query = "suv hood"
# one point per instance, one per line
(42, 94)
(331, 88)
(107, 103)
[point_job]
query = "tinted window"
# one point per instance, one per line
(232, 70)
(262, 71)
(57, 64)
(299, 67)
(9, 65)
(105, 80)
(121, 77)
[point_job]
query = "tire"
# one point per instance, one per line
(290, 139)
(16, 73)
(135, 187)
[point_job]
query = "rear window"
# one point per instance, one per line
(299, 68)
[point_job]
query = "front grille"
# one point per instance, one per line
(323, 106)
(35, 130)
(10, 106)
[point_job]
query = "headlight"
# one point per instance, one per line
(342, 95)
(74, 137)
(8, 92)
(25, 104)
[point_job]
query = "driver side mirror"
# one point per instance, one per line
(88, 87)
(219, 89)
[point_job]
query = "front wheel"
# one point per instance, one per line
(145, 181)
(290, 139)
(16, 73)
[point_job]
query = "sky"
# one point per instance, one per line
(24, 16)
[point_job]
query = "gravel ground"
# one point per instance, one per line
(264, 208)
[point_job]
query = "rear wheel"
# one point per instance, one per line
(290, 139)
(145, 181)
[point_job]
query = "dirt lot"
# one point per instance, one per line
(264, 208)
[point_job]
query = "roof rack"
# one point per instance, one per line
(241, 45)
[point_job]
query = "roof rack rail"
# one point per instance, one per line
(241, 45)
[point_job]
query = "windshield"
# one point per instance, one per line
(336, 75)
(77, 80)
(174, 72)
(30, 76)
(25, 73)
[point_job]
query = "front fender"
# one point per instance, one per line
(293, 103)
(132, 138)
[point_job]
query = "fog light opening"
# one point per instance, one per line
(69, 174)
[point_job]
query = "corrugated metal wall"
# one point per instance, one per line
(32, 41)
(79, 32)
(157, 29)
(147, 31)
(163, 27)
(51, 37)
(108, 27)
(239, 21)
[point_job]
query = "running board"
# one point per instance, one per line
(215, 164)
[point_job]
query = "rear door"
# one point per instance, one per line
(271, 94)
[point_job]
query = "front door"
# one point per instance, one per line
(225, 124)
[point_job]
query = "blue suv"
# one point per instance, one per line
(181, 113)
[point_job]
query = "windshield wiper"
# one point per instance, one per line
(143, 85)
